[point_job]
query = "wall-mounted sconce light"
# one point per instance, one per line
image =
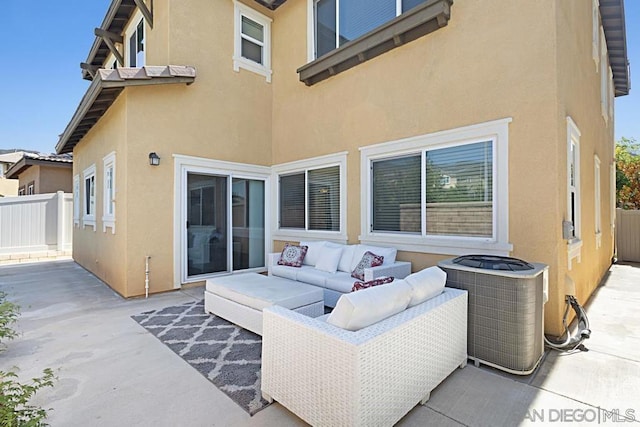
(154, 159)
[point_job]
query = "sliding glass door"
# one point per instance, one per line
(225, 226)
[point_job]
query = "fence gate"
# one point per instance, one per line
(628, 235)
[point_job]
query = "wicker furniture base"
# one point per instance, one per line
(241, 298)
(330, 376)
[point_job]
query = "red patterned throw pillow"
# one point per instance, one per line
(368, 260)
(292, 255)
(375, 282)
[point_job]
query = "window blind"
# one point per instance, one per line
(292, 198)
(396, 194)
(324, 199)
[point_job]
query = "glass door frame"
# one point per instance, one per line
(184, 165)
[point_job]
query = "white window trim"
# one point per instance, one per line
(76, 200)
(131, 28)
(109, 220)
(184, 164)
(239, 61)
(612, 196)
(574, 245)
(595, 38)
(604, 74)
(337, 159)
(88, 219)
(498, 132)
(597, 195)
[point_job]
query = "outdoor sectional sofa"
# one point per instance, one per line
(322, 256)
(329, 375)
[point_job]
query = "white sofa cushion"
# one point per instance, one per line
(340, 282)
(313, 276)
(346, 257)
(286, 271)
(314, 249)
(389, 254)
(360, 309)
(426, 284)
(329, 259)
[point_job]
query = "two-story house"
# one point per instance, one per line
(214, 131)
(39, 173)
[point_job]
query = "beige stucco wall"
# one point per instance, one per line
(54, 178)
(519, 60)
(8, 187)
(218, 117)
(105, 253)
(476, 69)
(579, 97)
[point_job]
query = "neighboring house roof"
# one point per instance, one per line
(11, 157)
(32, 159)
(105, 88)
(612, 13)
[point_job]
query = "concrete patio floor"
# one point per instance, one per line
(111, 372)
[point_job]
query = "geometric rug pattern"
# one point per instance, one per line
(227, 355)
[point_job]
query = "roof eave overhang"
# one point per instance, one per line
(613, 24)
(106, 88)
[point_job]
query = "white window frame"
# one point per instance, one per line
(574, 244)
(595, 37)
(89, 219)
(109, 200)
(131, 30)
(239, 61)
(597, 195)
(31, 189)
(337, 159)
(189, 164)
(76, 200)
(496, 131)
(604, 75)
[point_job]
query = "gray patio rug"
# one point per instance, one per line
(227, 355)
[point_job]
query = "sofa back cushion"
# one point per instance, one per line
(426, 284)
(360, 309)
(329, 258)
(314, 249)
(346, 258)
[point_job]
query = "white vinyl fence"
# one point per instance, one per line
(37, 223)
(628, 235)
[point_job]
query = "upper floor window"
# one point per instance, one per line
(135, 35)
(595, 32)
(252, 41)
(31, 188)
(340, 21)
(21, 191)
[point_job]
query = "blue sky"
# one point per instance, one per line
(45, 41)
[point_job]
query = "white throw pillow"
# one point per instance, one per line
(345, 259)
(329, 259)
(360, 309)
(426, 284)
(389, 254)
(313, 252)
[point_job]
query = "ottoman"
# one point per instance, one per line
(240, 298)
